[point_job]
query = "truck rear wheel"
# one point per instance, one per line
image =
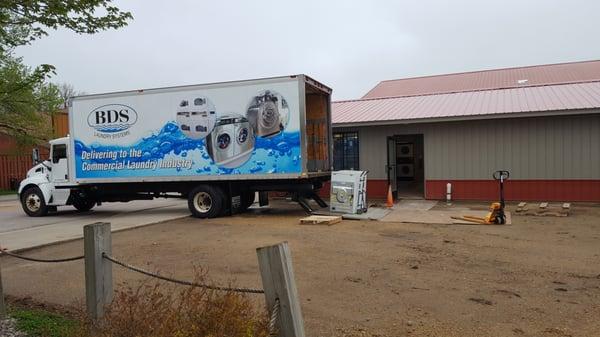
(83, 205)
(33, 203)
(247, 200)
(206, 201)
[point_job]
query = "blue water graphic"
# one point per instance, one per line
(279, 154)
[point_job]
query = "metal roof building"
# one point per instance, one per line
(541, 123)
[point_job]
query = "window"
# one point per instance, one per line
(59, 152)
(345, 151)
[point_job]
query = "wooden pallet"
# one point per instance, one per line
(321, 220)
(544, 209)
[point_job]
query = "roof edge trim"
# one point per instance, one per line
(474, 117)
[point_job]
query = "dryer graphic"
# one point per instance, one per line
(231, 142)
(268, 113)
(196, 117)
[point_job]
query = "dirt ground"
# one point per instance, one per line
(539, 276)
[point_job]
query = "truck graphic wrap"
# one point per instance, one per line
(244, 129)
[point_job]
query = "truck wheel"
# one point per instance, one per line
(206, 201)
(33, 203)
(83, 205)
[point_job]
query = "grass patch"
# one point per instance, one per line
(39, 323)
(7, 192)
(154, 309)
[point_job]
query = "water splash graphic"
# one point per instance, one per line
(279, 154)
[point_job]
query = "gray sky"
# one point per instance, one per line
(348, 45)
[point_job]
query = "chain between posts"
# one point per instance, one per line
(285, 318)
(33, 259)
(273, 331)
(181, 282)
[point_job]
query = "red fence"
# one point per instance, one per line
(13, 167)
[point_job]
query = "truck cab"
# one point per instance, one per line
(45, 186)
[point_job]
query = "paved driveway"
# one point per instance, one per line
(19, 231)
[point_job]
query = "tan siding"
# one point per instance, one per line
(594, 146)
(562, 147)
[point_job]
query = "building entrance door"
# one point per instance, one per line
(391, 165)
(410, 172)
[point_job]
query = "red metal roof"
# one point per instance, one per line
(561, 73)
(471, 104)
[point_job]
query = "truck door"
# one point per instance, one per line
(60, 168)
(391, 163)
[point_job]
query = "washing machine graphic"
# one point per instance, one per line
(231, 142)
(268, 113)
(196, 117)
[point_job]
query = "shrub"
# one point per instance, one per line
(161, 310)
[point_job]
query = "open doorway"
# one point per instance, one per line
(406, 171)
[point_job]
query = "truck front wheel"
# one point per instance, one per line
(33, 203)
(206, 201)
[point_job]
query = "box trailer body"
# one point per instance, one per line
(236, 138)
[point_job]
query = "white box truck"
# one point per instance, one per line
(214, 144)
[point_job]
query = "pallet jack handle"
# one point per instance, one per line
(501, 175)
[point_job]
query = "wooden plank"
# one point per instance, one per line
(554, 211)
(521, 207)
(98, 271)
(321, 220)
(279, 283)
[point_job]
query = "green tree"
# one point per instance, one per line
(27, 100)
(22, 21)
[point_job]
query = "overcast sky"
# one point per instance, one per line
(348, 45)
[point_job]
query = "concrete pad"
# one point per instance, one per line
(415, 204)
(373, 213)
(19, 231)
(435, 217)
(9, 197)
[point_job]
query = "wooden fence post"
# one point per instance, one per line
(98, 271)
(275, 263)
(2, 305)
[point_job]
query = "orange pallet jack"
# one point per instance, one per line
(496, 216)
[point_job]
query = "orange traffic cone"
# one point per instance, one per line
(390, 199)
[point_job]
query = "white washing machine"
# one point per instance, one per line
(231, 142)
(348, 192)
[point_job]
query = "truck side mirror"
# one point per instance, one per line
(35, 156)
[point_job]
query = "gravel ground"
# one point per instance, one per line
(539, 277)
(8, 329)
